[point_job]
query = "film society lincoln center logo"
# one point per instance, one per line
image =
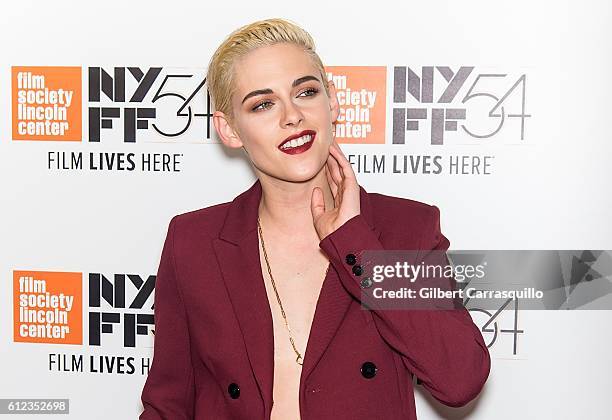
(47, 307)
(361, 96)
(46, 103)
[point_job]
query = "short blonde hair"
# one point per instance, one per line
(220, 73)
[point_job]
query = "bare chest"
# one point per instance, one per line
(293, 291)
(293, 285)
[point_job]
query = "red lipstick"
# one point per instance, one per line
(298, 149)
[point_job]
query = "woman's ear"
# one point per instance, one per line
(334, 106)
(228, 135)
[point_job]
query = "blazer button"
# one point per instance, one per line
(366, 282)
(351, 259)
(357, 270)
(368, 370)
(233, 390)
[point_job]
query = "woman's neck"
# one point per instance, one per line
(285, 206)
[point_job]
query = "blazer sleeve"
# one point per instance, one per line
(443, 348)
(169, 390)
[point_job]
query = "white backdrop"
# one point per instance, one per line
(548, 190)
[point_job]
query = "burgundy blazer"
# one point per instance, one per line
(214, 349)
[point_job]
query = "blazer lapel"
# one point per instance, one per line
(237, 250)
(334, 301)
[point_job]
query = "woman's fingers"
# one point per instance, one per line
(339, 154)
(332, 184)
(333, 150)
(346, 169)
(334, 168)
(317, 203)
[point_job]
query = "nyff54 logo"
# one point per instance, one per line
(153, 104)
(437, 100)
(120, 301)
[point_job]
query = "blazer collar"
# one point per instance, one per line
(242, 214)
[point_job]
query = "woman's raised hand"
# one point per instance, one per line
(345, 190)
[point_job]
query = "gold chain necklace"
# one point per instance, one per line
(299, 360)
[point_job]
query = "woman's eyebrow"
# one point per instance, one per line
(295, 83)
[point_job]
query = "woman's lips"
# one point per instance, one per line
(299, 149)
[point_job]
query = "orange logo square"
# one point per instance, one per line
(47, 307)
(47, 103)
(362, 95)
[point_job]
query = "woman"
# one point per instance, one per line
(257, 302)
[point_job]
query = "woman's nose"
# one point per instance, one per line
(292, 115)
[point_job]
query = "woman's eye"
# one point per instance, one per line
(262, 105)
(311, 91)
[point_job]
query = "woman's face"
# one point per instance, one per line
(279, 94)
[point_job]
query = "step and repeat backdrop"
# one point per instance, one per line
(496, 113)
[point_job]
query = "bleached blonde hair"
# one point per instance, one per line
(220, 74)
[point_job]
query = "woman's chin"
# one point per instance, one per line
(298, 170)
(303, 174)
(302, 177)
